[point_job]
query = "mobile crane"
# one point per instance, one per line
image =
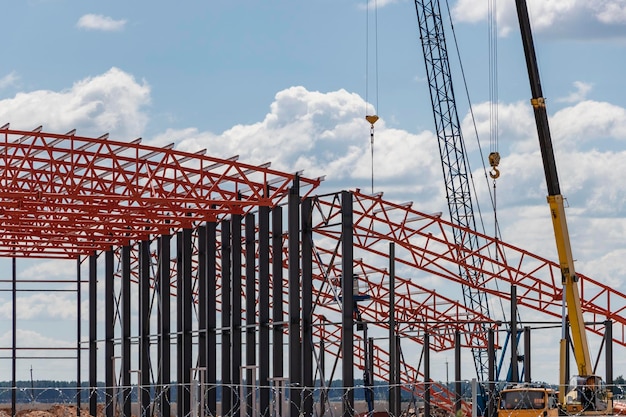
(586, 393)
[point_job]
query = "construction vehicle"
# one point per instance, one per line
(528, 400)
(587, 393)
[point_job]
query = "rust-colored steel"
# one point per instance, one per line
(67, 195)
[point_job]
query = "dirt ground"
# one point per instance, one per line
(47, 410)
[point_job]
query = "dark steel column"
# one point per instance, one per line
(144, 327)
(185, 349)
(78, 338)
(250, 224)
(180, 290)
(14, 337)
(202, 297)
(93, 334)
(126, 331)
(264, 311)
(277, 298)
(394, 389)
(227, 394)
(527, 358)
(211, 296)
(295, 347)
(236, 275)
(457, 372)
(608, 340)
(369, 382)
(347, 304)
(109, 331)
(163, 319)
(427, 384)
(491, 361)
(514, 359)
(308, 382)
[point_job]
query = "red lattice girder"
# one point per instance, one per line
(425, 243)
(67, 195)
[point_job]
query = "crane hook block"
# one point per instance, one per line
(494, 161)
(372, 119)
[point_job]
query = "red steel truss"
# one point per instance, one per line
(67, 195)
(425, 247)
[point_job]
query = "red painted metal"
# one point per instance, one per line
(67, 195)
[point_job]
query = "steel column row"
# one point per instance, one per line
(263, 329)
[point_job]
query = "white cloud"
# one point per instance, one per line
(8, 80)
(582, 89)
(113, 102)
(324, 133)
(100, 22)
(566, 17)
(589, 122)
(610, 12)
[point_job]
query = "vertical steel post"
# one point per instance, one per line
(211, 299)
(187, 301)
(457, 372)
(295, 347)
(307, 306)
(427, 384)
(394, 389)
(202, 285)
(13, 336)
(491, 355)
(126, 331)
(144, 327)
(277, 292)
(514, 359)
(227, 392)
(347, 305)
(608, 353)
(109, 331)
(164, 325)
(236, 313)
(527, 358)
(93, 334)
(264, 310)
(180, 332)
(250, 225)
(78, 337)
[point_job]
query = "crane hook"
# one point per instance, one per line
(494, 160)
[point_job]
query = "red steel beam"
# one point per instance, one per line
(67, 195)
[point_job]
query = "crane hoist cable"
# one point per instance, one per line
(480, 147)
(371, 118)
(494, 155)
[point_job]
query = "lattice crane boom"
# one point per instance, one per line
(453, 159)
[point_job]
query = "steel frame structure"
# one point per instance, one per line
(223, 259)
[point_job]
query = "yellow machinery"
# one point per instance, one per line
(586, 394)
(527, 400)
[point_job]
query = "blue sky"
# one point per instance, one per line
(285, 82)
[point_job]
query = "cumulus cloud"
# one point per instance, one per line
(112, 102)
(8, 80)
(569, 18)
(100, 22)
(582, 89)
(324, 134)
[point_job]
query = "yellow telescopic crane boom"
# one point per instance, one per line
(555, 200)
